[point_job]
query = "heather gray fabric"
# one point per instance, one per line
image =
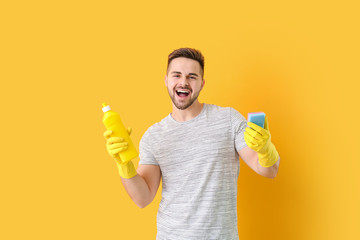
(199, 163)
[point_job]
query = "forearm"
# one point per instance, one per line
(269, 172)
(138, 190)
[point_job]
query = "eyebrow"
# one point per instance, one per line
(180, 73)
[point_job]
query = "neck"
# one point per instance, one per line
(187, 114)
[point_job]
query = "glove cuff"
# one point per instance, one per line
(126, 170)
(270, 158)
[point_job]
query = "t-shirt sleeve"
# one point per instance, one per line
(238, 125)
(146, 155)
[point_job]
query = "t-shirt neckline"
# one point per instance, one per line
(191, 120)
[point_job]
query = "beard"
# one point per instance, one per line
(183, 104)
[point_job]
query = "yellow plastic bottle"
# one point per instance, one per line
(112, 121)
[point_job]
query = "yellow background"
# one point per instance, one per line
(298, 61)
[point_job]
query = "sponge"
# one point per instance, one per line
(257, 117)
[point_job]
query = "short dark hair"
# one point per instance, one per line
(187, 53)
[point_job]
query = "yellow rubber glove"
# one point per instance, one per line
(114, 146)
(259, 139)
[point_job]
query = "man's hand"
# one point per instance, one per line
(259, 139)
(114, 146)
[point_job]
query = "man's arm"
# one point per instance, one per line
(250, 157)
(141, 184)
(143, 187)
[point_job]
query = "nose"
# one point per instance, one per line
(183, 81)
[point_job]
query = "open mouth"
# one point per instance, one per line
(182, 93)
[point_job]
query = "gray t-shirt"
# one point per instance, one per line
(200, 166)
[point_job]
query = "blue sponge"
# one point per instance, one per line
(257, 117)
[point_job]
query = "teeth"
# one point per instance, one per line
(182, 91)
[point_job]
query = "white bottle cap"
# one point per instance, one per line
(106, 108)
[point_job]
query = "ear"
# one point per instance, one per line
(202, 84)
(166, 80)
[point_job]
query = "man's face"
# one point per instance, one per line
(184, 81)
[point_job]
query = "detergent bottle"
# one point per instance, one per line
(112, 121)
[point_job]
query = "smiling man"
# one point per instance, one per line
(195, 150)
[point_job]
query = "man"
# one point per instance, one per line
(195, 150)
